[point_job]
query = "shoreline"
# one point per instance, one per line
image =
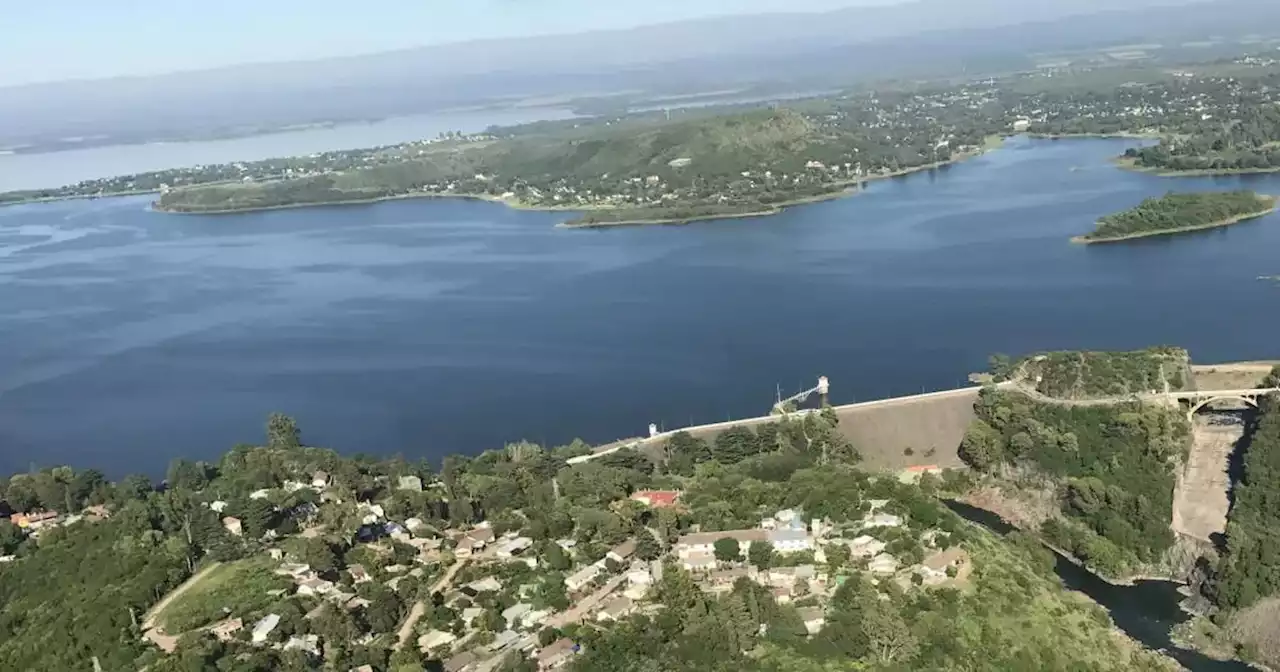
(1126, 163)
(1125, 135)
(79, 197)
(1083, 240)
(841, 189)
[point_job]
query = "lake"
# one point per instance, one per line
(431, 327)
(55, 169)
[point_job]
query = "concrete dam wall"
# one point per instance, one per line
(928, 426)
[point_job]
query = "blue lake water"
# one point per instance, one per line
(129, 337)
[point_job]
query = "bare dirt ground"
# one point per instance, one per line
(1231, 376)
(1024, 508)
(1200, 498)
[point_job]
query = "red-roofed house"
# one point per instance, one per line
(658, 499)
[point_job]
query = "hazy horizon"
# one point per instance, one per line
(151, 37)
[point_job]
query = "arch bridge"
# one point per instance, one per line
(1199, 399)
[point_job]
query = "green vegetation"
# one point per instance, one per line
(1112, 465)
(1012, 616)
(1092, 375)
(76, 597)
(1250, 569)
(1173, 213)
(1246, 142)
(240, 587)
(640, 172)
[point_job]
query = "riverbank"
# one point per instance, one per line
(1126, 163)
(1085, 240)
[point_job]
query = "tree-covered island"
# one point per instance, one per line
(1176, 213)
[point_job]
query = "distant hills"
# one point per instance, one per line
(925, 37)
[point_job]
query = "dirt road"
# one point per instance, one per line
(420, 608)
(149, 620)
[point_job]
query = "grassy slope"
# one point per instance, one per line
(240, 587)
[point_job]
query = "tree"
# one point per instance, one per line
(727, 550)
(186, 475)
(736, 444)
(982, 446)
(555, 557)
(760, 555)
(547, 636)
(407, 659)
(837, 556)
(257, 516)
(888, 635)
(319, 555)
(282, 432)
(647, 547)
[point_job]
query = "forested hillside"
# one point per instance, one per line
(1092, 375)
(1112, 467)
(1248, 142)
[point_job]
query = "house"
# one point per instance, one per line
(218, 506)
(260, 494)
(356, 603)
(363, 668)
(639, 576)
(463, 662)
(786, 540)
(320, 480)
(513, 614)
(359, 574)
(412, 483)
(699, 562)
(224, 630)
(97, 511)
(535, 618)
(488, 584)
(233, 526)
(470, 614)
(582, 577)
(658, 499)
(704, 542)
(35, 520)
(883, 564)
(555, 654)
(622, 552)
(435, 639)
(414, 524)
(514, 547)
(478, 538)
(294, 486)
(882, 520)
(294, 570)
(934, 568)
(263, 628)
(307, 643)
(865, 547)
(7, 558)
(813, 619)
(782, 594)
(566, 544)
(504, 639)
(786, 519)
(1021, 125)
(315, 586)
(680, 162)
(616, 609)
(787, 576)
(276, 553)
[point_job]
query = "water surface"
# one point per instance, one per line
(430, 327)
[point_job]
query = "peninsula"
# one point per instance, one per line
(1179, 213)
(647, 171)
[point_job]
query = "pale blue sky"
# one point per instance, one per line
(63, 39)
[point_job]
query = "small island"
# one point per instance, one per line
(1178, 213)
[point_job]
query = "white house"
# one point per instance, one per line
(865, 547)
(790, 541)
(260, 494)
(705, 542)
(582, 577)
(435, 639)
(883, 564)
(813, 619)
(315, 586)
(514, 547)
(308, 643)
(262, 629)
(882, 520)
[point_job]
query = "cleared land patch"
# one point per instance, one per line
(238, 588)
(1201, 499)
